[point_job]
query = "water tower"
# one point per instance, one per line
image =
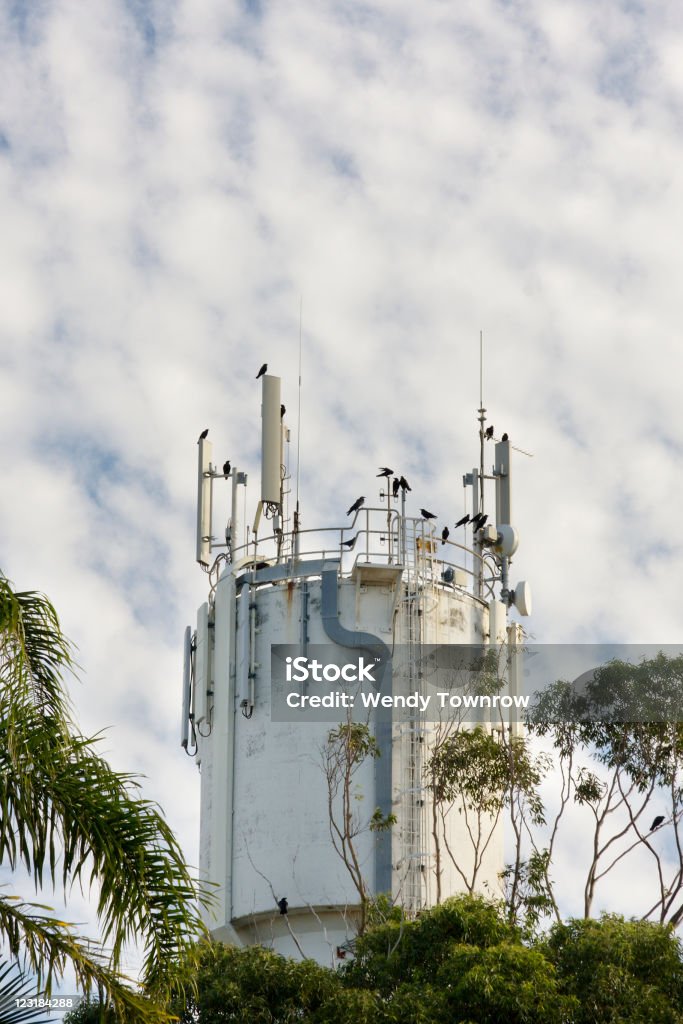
(266, 807)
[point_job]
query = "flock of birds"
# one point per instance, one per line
(399, 483)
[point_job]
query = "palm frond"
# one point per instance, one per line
(48, 945)
(65, 813)
(15, 991)
(59, 798)
(33, 650)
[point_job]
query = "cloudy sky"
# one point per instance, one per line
(179, 179)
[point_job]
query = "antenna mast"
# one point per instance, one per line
(482, 420)
(298, 433)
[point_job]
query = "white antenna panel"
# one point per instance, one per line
(243, 652)
(271, 440)
(202, 666)
(502, 475)
(497, 622)
(204, 502)
(187, 685)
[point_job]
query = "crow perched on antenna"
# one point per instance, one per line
(283, 905)
(203, 434)
(395, 486)
(349, 543)
(428, 515)
(481, 521)
(505, 438)
(262, 371)
(282, 411)
(356, 505)
(657, 822)
(461, 522)
(385, 471)
(226, 469)
(405, 486)
(445, 534)
(488, 433)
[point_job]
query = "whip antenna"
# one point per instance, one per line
(298, 421)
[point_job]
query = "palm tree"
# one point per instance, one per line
(68, 817)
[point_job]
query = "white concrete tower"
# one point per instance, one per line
(266, 807)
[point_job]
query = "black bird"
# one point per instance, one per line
(385, 471)
(405, 486)
(461, 522)
(488, 433)
(657, 822)
(395, 486)
(202, 435)
(283, 905)
(262, 371)
(356, 505)
(481, 522)
(226, 469)
(349, 543)
(445, 534)
(282, 411)
(505, 438)
(428, 515)
(476, 521)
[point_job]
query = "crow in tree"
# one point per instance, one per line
(461, 522)
(283, 905)
(262, 371)
(395, 486)
(405, 486)
(488, 433)
(445, 534)
(657, 822)
(356, 505)
(226, 469)
(202, 435)
(349, 543)
(282, 411)
(385, 471)
(428, 515)
(505, 438)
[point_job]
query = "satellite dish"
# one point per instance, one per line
(507, 541)
(521, 598)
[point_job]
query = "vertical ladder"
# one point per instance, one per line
(410, 723)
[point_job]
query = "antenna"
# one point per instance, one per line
(204, 496)
(298, 420)
(482, 420)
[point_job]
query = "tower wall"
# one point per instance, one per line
(265, 820)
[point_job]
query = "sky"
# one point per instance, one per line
(185, 186)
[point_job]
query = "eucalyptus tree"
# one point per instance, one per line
(67, 817)
(618, 746)
(347, 748)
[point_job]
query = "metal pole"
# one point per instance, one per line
(234, 517)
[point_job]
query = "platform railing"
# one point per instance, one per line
(381, 537)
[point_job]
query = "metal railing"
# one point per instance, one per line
(381, 537)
